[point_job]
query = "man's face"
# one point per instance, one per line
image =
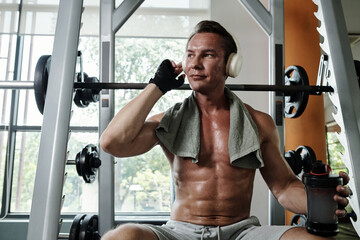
(205, 62)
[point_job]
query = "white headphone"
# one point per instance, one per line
(233, 64)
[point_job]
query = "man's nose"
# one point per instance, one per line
(195, 62)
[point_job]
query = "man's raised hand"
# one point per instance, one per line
(166, 77)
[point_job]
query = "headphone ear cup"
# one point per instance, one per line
(234, 64)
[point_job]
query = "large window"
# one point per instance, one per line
(27, 145)
(143, 183)
(157, 30)
(3, 135)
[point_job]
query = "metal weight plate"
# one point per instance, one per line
(357, 69)
(294, 161)
(87, 163)
(42, 70)
(77, 163)
(75, 227)
(89, 229)
(93, 163)
(308, 157)
(78, 99)
(79, 93)
(80, 161)
(86, 169)
(298, 220)
(295, 103)
(83, 97)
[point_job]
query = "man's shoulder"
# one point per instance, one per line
(258, 115)
(263, 121)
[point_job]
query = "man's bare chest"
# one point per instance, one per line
(214, 136)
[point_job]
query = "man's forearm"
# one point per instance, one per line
(128, 134)
(293, 198)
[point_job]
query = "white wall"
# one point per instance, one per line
(255, 49)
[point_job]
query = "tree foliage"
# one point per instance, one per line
(335, 149)
(136, 60)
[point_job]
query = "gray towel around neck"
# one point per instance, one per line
(179, 132)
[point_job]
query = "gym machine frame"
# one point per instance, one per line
(47, 196)
(346, 96)
(46, 207)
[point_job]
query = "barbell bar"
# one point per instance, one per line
(296, 88)
(313, 90)
(287, 90)
(16, 85)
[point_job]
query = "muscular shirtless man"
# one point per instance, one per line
(213, 197)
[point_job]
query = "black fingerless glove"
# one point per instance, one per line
(165, 77)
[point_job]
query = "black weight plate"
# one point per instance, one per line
(75, 227)
(88, 172)
(298, 220)
(79, 99)
(42, 70)
(290, 158)
(83, 97)
(89, 228)
(357, 69)
(83, 164)
(77, 163)
(95, 93)
(295, 103)
(294, 161)
(308, 157)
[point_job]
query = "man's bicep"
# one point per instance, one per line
(284, 185)
(276, 172)
(144, 141)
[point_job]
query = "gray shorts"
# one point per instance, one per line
(246, 229)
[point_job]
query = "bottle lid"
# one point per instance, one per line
(319, 176)
(319, 168)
